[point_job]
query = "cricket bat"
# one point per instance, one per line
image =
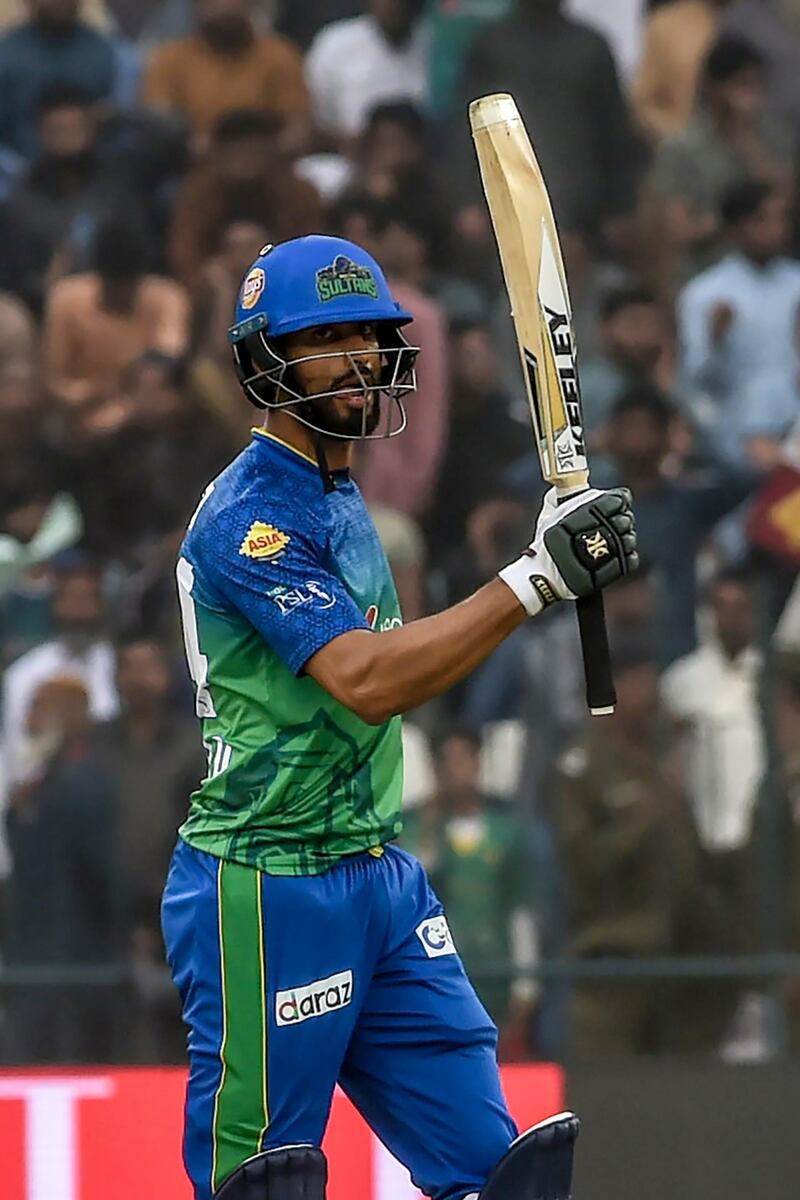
(530, 254)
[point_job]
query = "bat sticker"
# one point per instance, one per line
(560, 365)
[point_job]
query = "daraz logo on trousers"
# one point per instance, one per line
(314, 1000)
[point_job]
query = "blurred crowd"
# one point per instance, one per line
(148, 150)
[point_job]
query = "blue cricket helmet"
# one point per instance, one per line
(309, 281)
(313, 280)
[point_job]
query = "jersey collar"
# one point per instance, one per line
(261, 434)
(304, 461)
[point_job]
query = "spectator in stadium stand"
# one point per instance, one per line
(583, 135)
(675, 515)
(633, 333)
(38, 516)
(774, 28)
(151, 22)
(394, 160)
(478, 856)
(677, 37)
(65, 192)
(227, 66)
(401, 473)
(730, 139)
(394, 149)
(93, 12)
(483, 441)
(245, 176)
(80, 648)
(153, 754)
(354, 64)
(61, 898)
(54, 45)
(634, 877)
(300, 20)
(99, 322)
(711, 696)
(738, 330)
(37, 521)
(150, 469)
(788, 735)
(551, 680)
(217, 387)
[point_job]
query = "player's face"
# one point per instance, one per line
(351, 364)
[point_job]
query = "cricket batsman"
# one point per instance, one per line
(307, 948)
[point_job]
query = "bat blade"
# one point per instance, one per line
(536, 282)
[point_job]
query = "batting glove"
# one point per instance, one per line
(579, 546)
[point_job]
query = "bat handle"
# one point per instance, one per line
(600, 694)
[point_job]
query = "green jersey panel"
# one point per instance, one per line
(271, 570)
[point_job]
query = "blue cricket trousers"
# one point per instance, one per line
(290, 985)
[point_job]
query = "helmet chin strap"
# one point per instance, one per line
(318, 438)
(318, 441)
(322, 464)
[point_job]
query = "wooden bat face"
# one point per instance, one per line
(537, 287)
(530, 255)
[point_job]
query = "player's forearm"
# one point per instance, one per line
(381, 675)
(429, 656)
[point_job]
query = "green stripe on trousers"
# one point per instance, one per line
(241, 1112)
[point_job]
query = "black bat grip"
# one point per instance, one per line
(600, 693)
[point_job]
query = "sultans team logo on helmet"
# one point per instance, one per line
(345, 278)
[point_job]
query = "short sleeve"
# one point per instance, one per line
(273, 573)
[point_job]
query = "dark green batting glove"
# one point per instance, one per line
(580, 546)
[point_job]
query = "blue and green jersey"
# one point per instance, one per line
(272, 569)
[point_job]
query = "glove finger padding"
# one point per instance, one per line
(596, 543)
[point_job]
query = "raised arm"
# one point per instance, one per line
(380, 675)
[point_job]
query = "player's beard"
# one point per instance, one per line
(331, 416)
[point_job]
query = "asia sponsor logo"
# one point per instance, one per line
(315, 999)
(345, 278)
(311, 593)
(264, 541)
(252, 288)
(434, 933)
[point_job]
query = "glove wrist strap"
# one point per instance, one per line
(533, 591)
